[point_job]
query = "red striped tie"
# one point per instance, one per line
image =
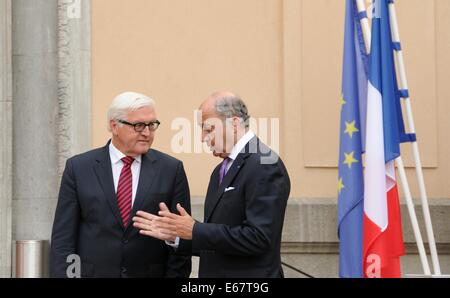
(125, 190)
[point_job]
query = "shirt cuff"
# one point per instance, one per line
(175, 243)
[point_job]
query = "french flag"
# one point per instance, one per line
(382, 231)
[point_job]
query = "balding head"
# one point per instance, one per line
(224, 120)
(209, 105)
(225, 104)
(217, 96)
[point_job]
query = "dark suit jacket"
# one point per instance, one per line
(241, 233)
(87, 220)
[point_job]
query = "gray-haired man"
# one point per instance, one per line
(102, 189)
(245, 202)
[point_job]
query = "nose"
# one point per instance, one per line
(146, 131)
(204, 137)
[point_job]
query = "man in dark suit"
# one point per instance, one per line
(102, 189)
(245, 202)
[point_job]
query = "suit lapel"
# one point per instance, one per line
(146, 178)
(212, 190)
(103, 171)
(229, 177)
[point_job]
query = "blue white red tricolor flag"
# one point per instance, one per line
(370, 231)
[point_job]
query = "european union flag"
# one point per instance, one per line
(352, 135)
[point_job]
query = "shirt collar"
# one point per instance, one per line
(116, 155)
(240, 145)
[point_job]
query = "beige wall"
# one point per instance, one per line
(284, 59)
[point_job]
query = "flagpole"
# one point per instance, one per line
(415, 147)
(364, 23)
(412, 214)
(413, 217)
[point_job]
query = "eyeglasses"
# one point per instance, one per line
(140, 126)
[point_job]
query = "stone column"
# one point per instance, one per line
(6, 124)
(52, 105)
(74, 78)
(35, 93)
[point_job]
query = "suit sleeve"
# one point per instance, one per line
(266, 190)
(179, 265)
(65, 225)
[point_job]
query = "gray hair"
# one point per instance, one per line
(233, 106)
(127, 102)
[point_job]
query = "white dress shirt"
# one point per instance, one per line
(240, 145)
(117, 165)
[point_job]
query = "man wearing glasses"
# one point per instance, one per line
(102, 189)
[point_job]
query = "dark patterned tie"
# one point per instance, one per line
(125, 190)
(223, 169)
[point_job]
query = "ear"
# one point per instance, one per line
(236, 123)
(113, 125)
